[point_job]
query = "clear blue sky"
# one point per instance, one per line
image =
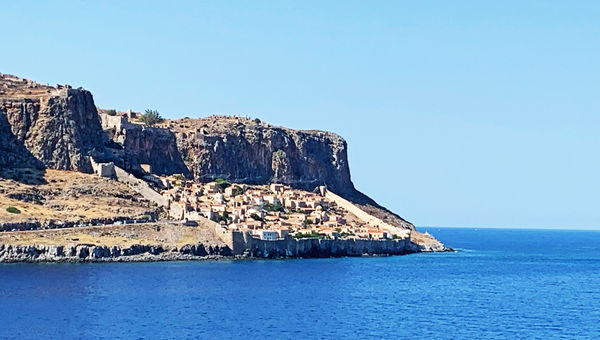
(456, 113)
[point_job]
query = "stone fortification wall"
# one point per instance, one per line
(141, 187)
(103, 169)
(314, 247)
(244, 245)
(361, 214)
(113, 122)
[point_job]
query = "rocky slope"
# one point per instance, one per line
(57, 198)
(142, 242)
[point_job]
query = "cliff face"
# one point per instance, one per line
(242, 150)
(59, 127)
(12, 150)
(154, 146)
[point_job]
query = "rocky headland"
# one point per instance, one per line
(46, 127)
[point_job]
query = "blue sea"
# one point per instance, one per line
(502, 283)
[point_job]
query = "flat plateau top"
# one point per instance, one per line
(15, 87)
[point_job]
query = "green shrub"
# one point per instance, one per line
(312, 234)
(225, 216)
(273, 207)
(13, 210)
(151, 117)
(237, 191)
(111, 112)
(222, 183)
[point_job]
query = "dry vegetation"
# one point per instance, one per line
(65, 196)
(420, 238)
(165, 234)
(15, 87)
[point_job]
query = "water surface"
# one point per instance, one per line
(502, 284)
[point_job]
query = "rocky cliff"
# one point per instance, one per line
(59, 127)
(154, 146)
(242, 150)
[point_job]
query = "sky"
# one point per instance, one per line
(456, 113)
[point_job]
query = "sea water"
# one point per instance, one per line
(502, 283)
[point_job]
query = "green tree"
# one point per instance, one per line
(222, 183)
(151, 117)
(225, 216)
(13, 210)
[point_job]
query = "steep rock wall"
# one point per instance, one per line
(12, 150)
(250, 151)
(242, 150)
(59, 127)
(154, 146)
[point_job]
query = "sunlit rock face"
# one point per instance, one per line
(244, 150)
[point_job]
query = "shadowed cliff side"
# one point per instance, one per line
(13, 153)
(154, 146)
(59, 127)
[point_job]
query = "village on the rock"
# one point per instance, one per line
(268, 212)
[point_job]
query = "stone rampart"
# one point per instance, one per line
(366, 217)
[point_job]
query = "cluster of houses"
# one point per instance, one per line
(268, 212)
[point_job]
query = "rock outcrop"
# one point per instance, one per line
(156, 147)
(242, 150)
(250, 151)
(12, 150)
(59, 127)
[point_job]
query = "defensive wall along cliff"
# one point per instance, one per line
(366, 217)
(141, 187)
(244, 244)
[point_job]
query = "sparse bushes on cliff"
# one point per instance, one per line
(13, 210)
(111, 112)
(222, 183)
(151, 117)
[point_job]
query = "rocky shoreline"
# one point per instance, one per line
(96, 253)
(310, 248)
